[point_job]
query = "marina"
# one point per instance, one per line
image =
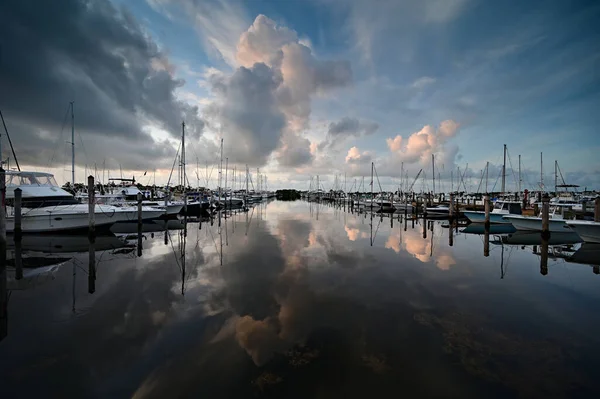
(269, 299)
(299, 199)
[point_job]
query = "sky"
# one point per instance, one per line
(305, 88)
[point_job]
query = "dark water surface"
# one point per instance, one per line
(302, 301)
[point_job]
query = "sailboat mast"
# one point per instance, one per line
(372, 168)
(487, 170)
(504, 171)
(183, 154)
(402, 176)
(555, 178)
(433, 172)
(72, 144)
(220, 170)
(520, 174)
(542, 170)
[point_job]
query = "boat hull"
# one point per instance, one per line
(479, 217)
(73, 218)
(535, 224)
(588, 231)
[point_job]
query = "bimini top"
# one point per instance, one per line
(21, 178)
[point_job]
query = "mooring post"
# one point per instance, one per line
(166, 206)
(18, 235)
(17, 210)
(91, 209)
(486, 204)
(3, 290)
(597, 210)
(546, 216)
(139, 224)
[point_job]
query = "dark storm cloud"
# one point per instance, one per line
(345, 128)
(96, 55)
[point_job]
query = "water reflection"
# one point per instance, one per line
(304, 300)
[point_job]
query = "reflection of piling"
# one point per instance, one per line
(424, 226)
(597, 210)
(546, 216)
(486, 203)
(3, 290)
(92, 267)
(91, 209)
(544, 255)
(450, 236)
(17, 210)
(486, 242)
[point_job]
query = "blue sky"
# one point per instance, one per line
(519, 73)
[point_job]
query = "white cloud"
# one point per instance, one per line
(422, 82)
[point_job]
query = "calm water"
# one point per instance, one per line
(299, 300)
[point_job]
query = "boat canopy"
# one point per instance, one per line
(41, 179)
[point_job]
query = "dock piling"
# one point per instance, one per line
(546, 216)
(139, 224)
(18, 224)
(91, 209)
(3, 289)
(486, 203)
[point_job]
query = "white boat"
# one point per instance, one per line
(46, 207)
(556, 222)
(440, 210)
(589, 231)
(501, 208)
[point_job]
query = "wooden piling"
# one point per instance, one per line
(3, 288)
(92, 209)
(486, 203)
(546, 216)
(597, 210)
(139, 224)
(451, 207)
(17, 210)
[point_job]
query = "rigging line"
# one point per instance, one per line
(173, 167)
(512, 169)
(496, 182)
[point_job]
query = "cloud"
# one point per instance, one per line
(246, 108)
(355, 156)
(265, 106)
(345, 128)
(422, 82)
(101, 58)
(420, 145)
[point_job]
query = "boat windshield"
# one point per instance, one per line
(498, 205)
(30, 180)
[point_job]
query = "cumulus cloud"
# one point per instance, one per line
(355, 156)
(419, 146)
(101, 58)
(299, 76)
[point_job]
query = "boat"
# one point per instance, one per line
(501, 208)
(556, 222)
(588, 230)
(440, 210)
(46, 207)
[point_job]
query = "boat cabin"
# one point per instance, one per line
(507, 207)
(38, 189)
